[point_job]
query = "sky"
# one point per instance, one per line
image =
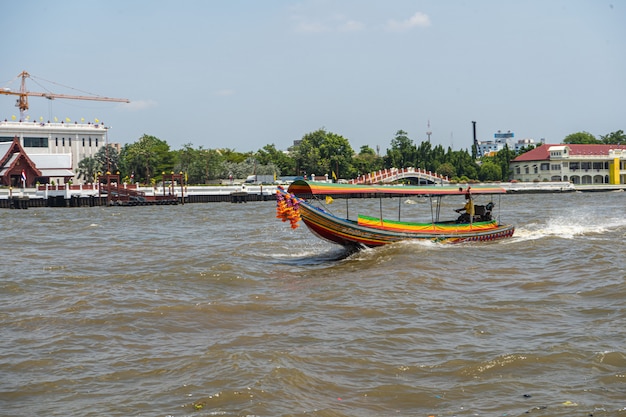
(242, 74)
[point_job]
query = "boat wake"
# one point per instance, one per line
(568, 228)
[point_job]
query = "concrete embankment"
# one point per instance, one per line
(538, 187)
(559, 187)
(89, 197)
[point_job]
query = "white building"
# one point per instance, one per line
(56, 147)
(500, 140)
(576, 163)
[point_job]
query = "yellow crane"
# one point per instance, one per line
(22, 101)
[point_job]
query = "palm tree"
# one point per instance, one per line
(87, 169)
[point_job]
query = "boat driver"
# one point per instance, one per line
(468, 209)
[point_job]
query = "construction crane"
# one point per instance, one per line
(22, 101)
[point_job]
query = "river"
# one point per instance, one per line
(220, 309)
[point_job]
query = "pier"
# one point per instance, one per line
(112, 194)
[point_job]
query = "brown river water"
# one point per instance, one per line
(220, 309)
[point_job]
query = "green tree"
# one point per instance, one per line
(614, 138)
(88, 169)
(402, 153)
(200, 165)
(108, 159)
(185, 157)
(503, 158)
(235, 169)
(581, 138)
(464, 164)
(322, 152)
(367, 161)
(206, 165)
(436, 157)
(230, 155)
(423, 156)
(490, 171)
(446, 169)
(147, 158)
(527, 148)
(284, 163)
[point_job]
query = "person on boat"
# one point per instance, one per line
(488, 209)
(468, 210)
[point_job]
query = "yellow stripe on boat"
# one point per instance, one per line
(399, 226)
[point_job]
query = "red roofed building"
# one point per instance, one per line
(578, 164)
(16, 168)
(19, 169)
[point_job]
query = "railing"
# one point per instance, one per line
(37, 123)
(80, 187)
(392, 174)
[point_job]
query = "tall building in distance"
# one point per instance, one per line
(500, 140)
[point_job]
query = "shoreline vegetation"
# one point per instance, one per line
(323, 152)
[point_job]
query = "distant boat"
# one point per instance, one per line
(301, 201)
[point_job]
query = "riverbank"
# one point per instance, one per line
(130, 195)
(559, 187)
(89, 196)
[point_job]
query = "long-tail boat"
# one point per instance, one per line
(308, 201)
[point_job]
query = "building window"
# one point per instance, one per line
(83, 142)
(585, 165)
(517, 170)
(535, 170)
(56, 141)
(90, 142)
(69, 141)
(526, 170)
(96, 142)
(555, 167)
(545, 166)
(35, 142)
(574, 166)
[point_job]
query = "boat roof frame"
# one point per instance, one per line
(304, 188)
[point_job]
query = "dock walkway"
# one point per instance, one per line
(90, 195)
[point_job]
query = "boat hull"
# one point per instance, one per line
(351, 234)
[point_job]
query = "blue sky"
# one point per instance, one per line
(242, 74)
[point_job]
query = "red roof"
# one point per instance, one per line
(541, 153)
(16, 148)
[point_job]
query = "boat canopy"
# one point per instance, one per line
(304, 188)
